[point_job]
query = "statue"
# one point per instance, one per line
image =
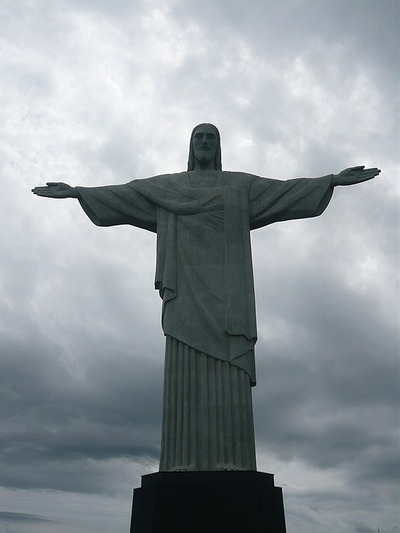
(203, 219)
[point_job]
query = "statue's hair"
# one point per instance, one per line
(218, 156)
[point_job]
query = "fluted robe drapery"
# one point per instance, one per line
(205, 278)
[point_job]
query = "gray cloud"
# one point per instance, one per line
(21, 517)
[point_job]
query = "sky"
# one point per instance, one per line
(102, 92)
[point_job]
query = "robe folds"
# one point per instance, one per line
(205, 278)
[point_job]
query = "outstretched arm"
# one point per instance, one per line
(56, 190)
(108, 205)
(353, 175)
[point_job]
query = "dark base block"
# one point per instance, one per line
(208, 502)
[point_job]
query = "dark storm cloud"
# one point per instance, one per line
(21, 517)
(57, 428)
(59, 412)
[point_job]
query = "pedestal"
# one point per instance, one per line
(208, 502)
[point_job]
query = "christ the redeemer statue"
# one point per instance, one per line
(203, 219)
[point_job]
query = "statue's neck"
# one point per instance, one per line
(204, 165)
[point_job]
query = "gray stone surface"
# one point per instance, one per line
(203, 218)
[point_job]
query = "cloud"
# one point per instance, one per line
(21, 517)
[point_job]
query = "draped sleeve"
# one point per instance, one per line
(275, 200)
(113, 205)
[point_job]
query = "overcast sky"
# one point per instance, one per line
(100, 92)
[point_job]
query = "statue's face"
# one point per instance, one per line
(205, 143)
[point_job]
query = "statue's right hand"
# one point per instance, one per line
(56, 190)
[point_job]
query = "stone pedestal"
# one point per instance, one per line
(208, 502)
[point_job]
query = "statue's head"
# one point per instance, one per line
(205, 142)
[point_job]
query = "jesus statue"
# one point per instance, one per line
(202, 218)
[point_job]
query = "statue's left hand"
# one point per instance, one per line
(353, 175)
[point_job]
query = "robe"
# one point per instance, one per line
(205, 278)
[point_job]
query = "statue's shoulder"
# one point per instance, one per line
(177, 177)
(239, 175)
(243, 179)
(181, 180)
(159, 180)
